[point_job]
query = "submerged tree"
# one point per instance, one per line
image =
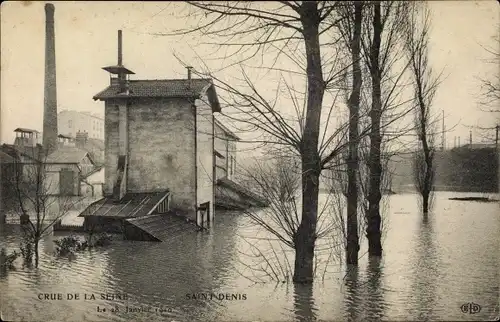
(381, 39)
(291, 29)
(36, 201)
(305, 35)
(350, 28)
(425, 84)
(278, 180)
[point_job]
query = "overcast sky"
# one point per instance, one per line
(86, 41)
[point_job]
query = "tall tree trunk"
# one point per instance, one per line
(373, 232)
(427, 167)
(353, 162)
(425, 202)
(305, 238)
(429, 176)
(35, 246)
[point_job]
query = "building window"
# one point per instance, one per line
(70, 124)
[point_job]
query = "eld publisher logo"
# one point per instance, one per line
(471, 308)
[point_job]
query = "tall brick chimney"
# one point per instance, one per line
(50, 94)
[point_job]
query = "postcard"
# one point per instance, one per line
(249, 161)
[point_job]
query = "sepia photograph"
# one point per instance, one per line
(250, 161)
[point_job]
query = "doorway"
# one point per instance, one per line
(204, 213)
(66, 182)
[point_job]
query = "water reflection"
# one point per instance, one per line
(177, 275)
(352, 297)
(303, 303)
(375, 291)
(425, 272)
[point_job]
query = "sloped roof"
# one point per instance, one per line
(158, 88)
(131, 205)
(67, 154)
(5, 158)
(162, 227)
(164, 88)
(225, 182)
(21, 129)
(31, 152)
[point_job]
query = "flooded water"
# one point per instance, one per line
(429, 270)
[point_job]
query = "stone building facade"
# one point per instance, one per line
(164, 128)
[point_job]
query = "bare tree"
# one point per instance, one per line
(304, 34)
(36, 204)
(490, 86)
(425, 84)
(385, 20)
(279, 182)
(350, 28)
(284, 26)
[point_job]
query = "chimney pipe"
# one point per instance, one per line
(122, 78)
(458, 141)
(470, 138)
(120, 58)
(50, 89)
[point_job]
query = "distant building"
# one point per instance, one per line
(66, 169)
(7, 188)
(71, 122)
(25, 151)
(94, 147)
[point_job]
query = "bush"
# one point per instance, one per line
(69, 245)
(27, 251)
(7, 261)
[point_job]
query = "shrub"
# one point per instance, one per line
(27, 251)
(69, 245)
(7, 261)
